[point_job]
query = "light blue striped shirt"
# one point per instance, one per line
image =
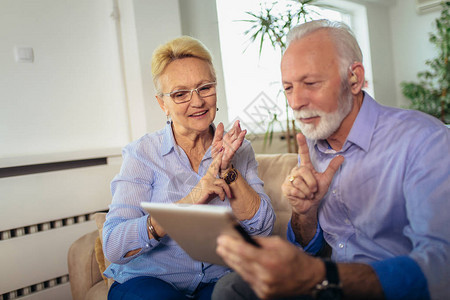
(388, 204)
(156, 169)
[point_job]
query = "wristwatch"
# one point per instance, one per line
(230, 176)
(330, 288)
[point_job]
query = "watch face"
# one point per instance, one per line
(231, 176)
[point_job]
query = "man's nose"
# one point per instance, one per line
(297, 99)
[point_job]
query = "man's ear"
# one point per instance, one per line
(356, 77)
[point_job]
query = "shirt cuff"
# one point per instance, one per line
(314, 246)
(401, 278)
(262, 222)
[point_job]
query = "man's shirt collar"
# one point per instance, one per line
(362, 129)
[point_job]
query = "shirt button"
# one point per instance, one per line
(147, 245)
(347, 221)
(341, 245)
(334, 192)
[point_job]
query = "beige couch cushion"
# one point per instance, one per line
(103, 263)
(273, 169)
(83, 267)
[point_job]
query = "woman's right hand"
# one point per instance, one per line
(229, 143)
(209, 186)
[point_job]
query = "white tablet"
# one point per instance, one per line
(196, 227)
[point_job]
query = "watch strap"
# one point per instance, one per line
(331, 287)
(332, 274)
(230, 175)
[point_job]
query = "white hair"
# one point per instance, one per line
(341, 35)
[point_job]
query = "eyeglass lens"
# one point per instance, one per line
(205, 90)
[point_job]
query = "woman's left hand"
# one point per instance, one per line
(230, 143)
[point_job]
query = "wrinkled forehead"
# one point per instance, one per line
(318, 42)
(312, 53)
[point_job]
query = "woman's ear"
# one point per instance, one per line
(162, 105)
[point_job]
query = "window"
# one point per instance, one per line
(252, 82)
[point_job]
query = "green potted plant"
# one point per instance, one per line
(431, 94)
(271, 25)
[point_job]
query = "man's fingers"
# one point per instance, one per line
(303, 178)
(303, 150)
(333, 167)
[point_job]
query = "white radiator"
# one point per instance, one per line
(44, 208)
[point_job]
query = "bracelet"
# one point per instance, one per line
(152, 230)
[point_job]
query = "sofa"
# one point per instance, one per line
(85, 257)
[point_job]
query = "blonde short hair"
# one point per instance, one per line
(182, 47)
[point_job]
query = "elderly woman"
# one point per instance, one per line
(188, 161)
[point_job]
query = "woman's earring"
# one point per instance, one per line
(168, 119)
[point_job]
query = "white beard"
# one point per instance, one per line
(328, 123)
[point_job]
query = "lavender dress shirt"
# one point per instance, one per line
(389, 203)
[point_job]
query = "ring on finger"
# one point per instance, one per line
(291, 178)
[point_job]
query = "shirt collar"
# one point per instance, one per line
(364, 125)
(362, 129)
(168, 141)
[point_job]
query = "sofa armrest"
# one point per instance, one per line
(83, 267)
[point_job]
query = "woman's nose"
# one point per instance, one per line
(196, 99)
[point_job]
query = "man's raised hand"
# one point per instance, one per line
(305, 187)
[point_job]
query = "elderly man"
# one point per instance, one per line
(373, 183)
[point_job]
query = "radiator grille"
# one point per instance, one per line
(48, 225)
(26, 291)
(23, 231)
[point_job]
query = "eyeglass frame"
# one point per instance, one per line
(191, 91)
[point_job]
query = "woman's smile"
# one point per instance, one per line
(199, 114)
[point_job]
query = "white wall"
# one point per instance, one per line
(381, 53)
(199, 20)
(410, 44)
(152, 23)
(67, 104)
(71, 97)
(399, 45)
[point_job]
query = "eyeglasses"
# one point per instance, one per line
(181, 96)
